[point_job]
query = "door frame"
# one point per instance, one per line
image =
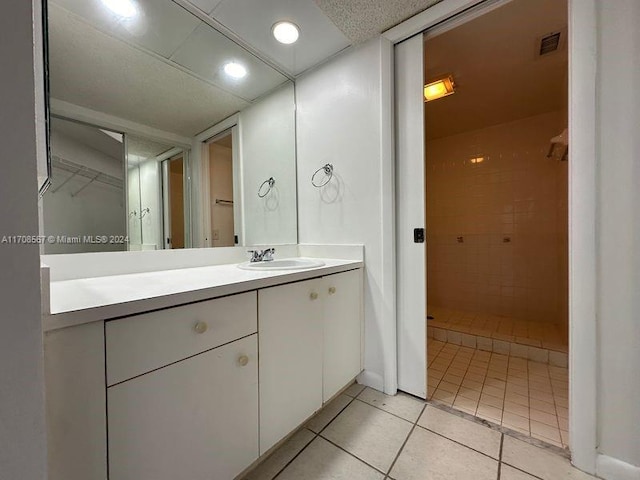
(582, 46)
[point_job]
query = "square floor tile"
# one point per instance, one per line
(354, 390)
(539, 462)
(323, 461)
(270, 467)
(428, 456)
(402, 405)
(369, 433)
(471, 434)
(328, 413)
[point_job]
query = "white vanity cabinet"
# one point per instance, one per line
(290, 336)
(196, 419)
(199, 391)
(342, 331)
(182, 396)
(310, 336)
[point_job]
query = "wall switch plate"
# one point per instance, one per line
(418, 235)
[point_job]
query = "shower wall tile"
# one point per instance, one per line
(497, 221)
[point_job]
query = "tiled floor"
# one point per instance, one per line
(366, 435)
(529, 397)
(534, 334)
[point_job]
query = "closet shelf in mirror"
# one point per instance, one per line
(78, 170)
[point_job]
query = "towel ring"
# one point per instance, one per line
(270, 183)
(328, 171)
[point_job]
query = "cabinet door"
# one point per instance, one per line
(196, 419)
(290, 333)
(342, 359)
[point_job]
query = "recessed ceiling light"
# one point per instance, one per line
(235, 70)
(122, 8)
(439, 88)
(286, 32)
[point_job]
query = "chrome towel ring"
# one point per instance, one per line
(270, 183)
(328, 172)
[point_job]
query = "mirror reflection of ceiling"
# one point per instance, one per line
(91, 137)
(162, 67)
(495, 64)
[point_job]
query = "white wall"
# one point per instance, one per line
(268, 149)
(618, 230)
(22, 422)
(339, 122)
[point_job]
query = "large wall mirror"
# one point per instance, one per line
(164, 132)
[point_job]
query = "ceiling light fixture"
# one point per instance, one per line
(235, 70)
(122, 8)
(442, 87)
(286, 32)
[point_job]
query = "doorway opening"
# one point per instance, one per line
(221, 196)
(496, 194)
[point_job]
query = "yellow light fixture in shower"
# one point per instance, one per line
(442, 87)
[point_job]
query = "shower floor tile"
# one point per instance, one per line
(522, 395)
(545, 335)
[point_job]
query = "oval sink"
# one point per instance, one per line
(282, 264)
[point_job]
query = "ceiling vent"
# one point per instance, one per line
(549, 43)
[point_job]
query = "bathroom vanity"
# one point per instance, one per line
(177, 382)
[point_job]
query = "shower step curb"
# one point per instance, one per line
(536, 354)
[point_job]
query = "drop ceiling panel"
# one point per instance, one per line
(207, 51)
(160, 26)
(252, 20)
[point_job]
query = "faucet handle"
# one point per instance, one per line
(256, 255)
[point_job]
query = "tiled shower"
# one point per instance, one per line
(497, 259)
(497, 269)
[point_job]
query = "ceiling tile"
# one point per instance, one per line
(252, 20)
(207, 51)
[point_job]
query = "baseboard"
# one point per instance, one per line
(373, 380)
(611, 468)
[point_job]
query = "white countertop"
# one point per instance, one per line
(74, 302)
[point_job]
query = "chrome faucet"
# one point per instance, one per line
(268, 254)
(262, 255)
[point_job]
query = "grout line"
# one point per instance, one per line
(415, 424)
(338, 414)
(500, 456)
(523, 471)
(315, 435)
(351, 454)
(456, 441)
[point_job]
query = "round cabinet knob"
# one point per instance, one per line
(313, 296)
(332, 290)
(243, 360)
(201, 327)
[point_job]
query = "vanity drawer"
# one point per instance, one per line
(141, 343)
